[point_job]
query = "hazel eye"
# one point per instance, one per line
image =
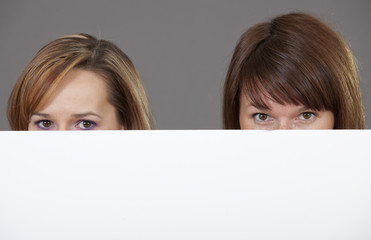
(306, 115)
(44, 124)
(85, 125)
(261, 116)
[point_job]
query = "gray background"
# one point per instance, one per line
(181, 49)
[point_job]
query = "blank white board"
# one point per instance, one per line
(185, 185)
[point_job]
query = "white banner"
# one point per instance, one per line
(185, 185)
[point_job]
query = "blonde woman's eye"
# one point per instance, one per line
(44, 124)
(261, 116)
(307, 115)
(86, 125)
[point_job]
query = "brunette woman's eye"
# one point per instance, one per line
(261, 116)
(44, 124)
(306, 115)
(85, 125)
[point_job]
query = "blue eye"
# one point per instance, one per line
(261, 116)
(307, 115)
(85, 125)
(44, 124)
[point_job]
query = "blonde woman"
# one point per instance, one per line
(77, 82)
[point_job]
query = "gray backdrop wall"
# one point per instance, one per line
(181, 49)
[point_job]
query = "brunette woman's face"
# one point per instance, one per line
(287, 116)
(79, 103)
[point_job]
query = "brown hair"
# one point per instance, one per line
(41, 77)
(294, 59)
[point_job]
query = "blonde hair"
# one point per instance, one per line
(40, 79)
(294, 59)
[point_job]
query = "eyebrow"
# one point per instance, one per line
(81, 115)
(41, 114)
(250, 105)
(77, 115)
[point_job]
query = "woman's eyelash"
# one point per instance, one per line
(261, 116)
(44, 124)
(85, 124)
(307, 115)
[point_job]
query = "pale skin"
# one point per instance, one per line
(283, 116)
(79, 103)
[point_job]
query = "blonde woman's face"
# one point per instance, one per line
(79, 103)
(280, 116)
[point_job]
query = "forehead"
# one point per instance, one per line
(268, 103)
(262, 99)
(284, 84)
(78, 89)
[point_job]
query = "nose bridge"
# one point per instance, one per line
(62, 126)
(284, 124)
